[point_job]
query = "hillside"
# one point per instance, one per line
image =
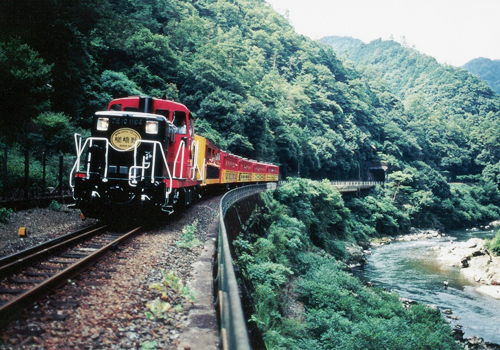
(487, 70)
(342, 44)
(257, 88)
(450, 113)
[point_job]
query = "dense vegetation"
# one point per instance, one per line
(293, 254)
(257, 88)
(486, 69)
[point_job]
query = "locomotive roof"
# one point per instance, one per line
(130, 114)
(157, 101)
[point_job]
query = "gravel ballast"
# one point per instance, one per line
(42, 224)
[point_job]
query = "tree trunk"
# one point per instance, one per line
(44, 165)
(61, 160)
(26, 173)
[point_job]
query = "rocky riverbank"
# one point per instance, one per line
(414, 235)
(475, 263)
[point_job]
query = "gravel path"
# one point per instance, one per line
(41, 225)
(106, 306)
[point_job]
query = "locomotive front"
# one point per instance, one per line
(122, 168)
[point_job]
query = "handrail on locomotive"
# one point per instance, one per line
(132, 174)
(179, 152)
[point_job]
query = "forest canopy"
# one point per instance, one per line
(257, 87)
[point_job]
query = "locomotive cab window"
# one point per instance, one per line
(179, 121)
(163, 112)
(191, 125)
(115, 107)
(131, 109)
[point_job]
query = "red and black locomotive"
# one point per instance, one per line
(143, 157)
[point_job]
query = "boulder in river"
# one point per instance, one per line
(434, 309)
(495, 224)
(355, 255)
(474, 340)
(457, 334)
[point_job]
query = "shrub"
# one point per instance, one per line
(343, 314)
(170, 286)
(55, 205)
(5, 214)
(188, 239)
(493, 244)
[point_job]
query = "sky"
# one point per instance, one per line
(452, 31)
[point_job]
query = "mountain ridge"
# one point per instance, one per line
(487, 70)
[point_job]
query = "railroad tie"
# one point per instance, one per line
(38, 274)
(12, 291)
(43, 267)
(27, 280)
(73, 255)
(56, 261)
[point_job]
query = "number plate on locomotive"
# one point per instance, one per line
(126, 121)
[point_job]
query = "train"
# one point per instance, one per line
(144, 158)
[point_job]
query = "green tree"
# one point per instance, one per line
(26, 81)
(53, 131)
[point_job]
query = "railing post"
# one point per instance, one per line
(44, 165)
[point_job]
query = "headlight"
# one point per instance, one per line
(151, 127)
(102, 124)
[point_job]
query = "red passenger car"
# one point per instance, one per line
(272, 172)
(229, 168)
(244, 170)
(258, 172)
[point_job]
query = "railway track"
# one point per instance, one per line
(32, 273)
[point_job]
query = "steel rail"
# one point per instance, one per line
(15, 306)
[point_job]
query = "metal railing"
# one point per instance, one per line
(233, 329)
(349, 186)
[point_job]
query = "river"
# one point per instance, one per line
(411, 270)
